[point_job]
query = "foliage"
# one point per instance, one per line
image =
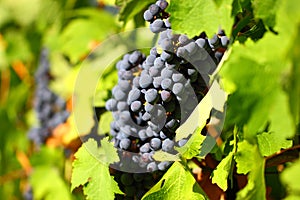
(91, 170)
(259, 74)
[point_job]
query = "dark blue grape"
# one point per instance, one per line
(157, 81)
(166, 83)
(118, 93)
(191, 48)
(218, 56)
(145, 80)
(215, 41)
(149, 132)
(167, 23)
(124, 143)
(125, 75)
(135, 81)
(124, 85)
(142, 134)
(193, 74)
(166, 56)
(151, 95)
(149, 107)
(124, 65)
(172, 124)
(159, 63)
(122, 105)
(153, 71)
(150, 59)
(166, 95)
(182, 142)
(163, 165)
(224, 41)
(166, 73)
(133, 95)
(166, 44)
(176, 77)
(125, 116)
(154, 9)
(183, 39)
(148, 16)
(167, 145)
(201, 42)
(178, 88)
(151, 167)
(126, 179)
(182, 52)
(155, 143)
(114, 126)
(146, 157)
(157, 26)
(154, 128)
(146, 116)
(135, 57)
(136, 106)
(162, 4)
(153, 51)
(162, 135)
(145, 148)
(138, 177)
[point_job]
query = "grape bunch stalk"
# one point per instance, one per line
(49, 107)
(157, 93)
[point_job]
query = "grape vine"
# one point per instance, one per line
(158, 92)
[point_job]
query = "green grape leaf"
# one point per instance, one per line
(107, 152)
(80, 32)
(293, 81)
(64, 75)
(266, 10)
(29, 9)
(290, 178)
(236, 7)
(176, 184)
(164, 156)
(244, 157)
(131, 8)
(108, 80)
(265, 102)
(270, 143)
(48, 157)
(214, 98)
(249, 160)
(280, 129)
(195, 16)
(192, 146)
(104, 123)
(18, 47)
(48, 184)
(90, 169)
(221, 173)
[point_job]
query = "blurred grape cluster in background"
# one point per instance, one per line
(54, 36)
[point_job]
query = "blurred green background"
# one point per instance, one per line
(69, 29)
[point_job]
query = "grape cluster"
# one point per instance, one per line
(49, 107)
(158, 18)
(157, 93)
(135, 185)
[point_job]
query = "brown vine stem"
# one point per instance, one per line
(283, 156)
(12, 176)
